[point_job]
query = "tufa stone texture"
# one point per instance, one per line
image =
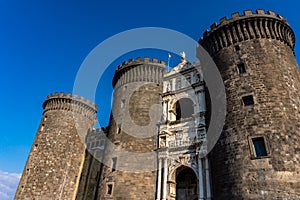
(263, 43)
(254, 53)
(56, 158)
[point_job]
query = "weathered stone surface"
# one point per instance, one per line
(272, 77)
(56, 158)
(133, 130)
(92, 168)
(59, 167)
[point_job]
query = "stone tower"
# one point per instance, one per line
(130, 162)
(57, 155)
(257, 155)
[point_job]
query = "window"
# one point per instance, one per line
(241, 68)
(259, 147)
(122, 103)
(184, 108)
(114, 164)
(94, 191)
(119, 129)
(109, 189)
(248, 100)
(42, 127)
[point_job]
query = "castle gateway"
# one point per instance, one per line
(160, 152)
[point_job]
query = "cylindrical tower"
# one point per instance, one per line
(257, 155)
(130, 158)
(56, 158)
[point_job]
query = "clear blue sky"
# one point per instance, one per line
(43, 43)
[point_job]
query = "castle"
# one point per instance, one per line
(156, 144)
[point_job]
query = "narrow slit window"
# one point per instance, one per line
(114, 164)
(109, 189)
(119, 129)
(42, 127)
(259, 147)
(241, 68)
(122, 103)
(248, 100)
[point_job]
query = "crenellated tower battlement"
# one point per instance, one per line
(57, 156)
(159, 126)
(250, 25)
(135, 70)
(254, 53)
(65, 101)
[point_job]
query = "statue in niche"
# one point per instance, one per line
(162, 142)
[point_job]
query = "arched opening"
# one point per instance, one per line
(184, 108)
(186, 184)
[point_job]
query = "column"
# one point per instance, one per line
(193, 80)
(165, 179)
(201, 101)
(207, 173)
(166, 86)
(173, 80)
(200, 177)
(165, 111)
(159, 180)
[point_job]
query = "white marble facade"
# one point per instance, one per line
(182, 135)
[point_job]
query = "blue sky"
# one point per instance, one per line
(43, 44)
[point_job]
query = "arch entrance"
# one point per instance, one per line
(186, 184)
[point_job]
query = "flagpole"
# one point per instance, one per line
(168, 63)
(168, 66)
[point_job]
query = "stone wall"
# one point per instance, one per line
(130, 160)
(272, 78)
(255, 56)
(56, 158)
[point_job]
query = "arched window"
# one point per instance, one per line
(184, 108)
